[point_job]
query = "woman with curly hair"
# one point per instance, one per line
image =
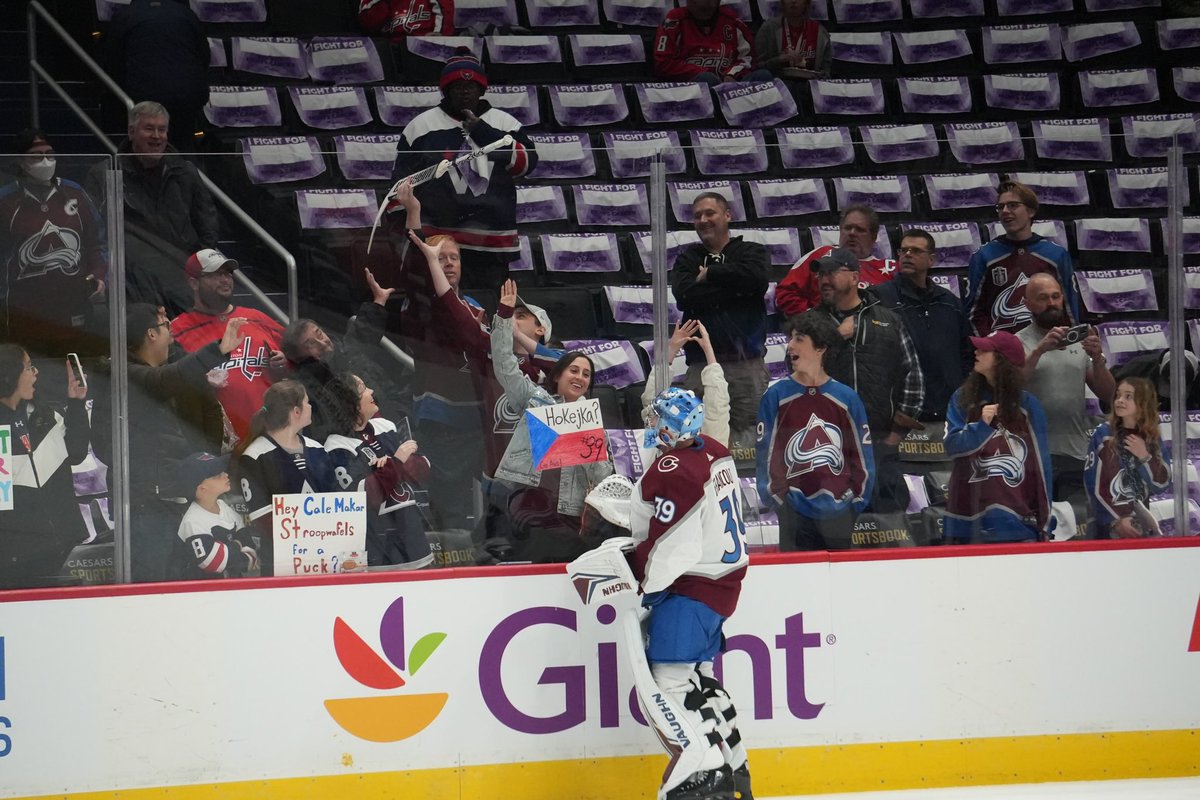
(996, 433)
(1125, 464)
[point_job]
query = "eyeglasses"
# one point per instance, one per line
(912, 251)
(30, 368)
(1011, 205)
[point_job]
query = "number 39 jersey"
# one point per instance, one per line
(686, 515)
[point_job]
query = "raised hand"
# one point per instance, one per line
(406, 450)
(379, 295)
(432, 253)
(684, 332)
(508, 293)
(232, 336)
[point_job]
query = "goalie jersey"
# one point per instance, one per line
(686, 515)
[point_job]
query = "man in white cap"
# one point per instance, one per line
(243, 379)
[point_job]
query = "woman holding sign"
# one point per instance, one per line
(275, 458)
(42, 524)
(546, 505)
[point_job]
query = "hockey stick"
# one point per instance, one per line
(433, 172)
(603, 576)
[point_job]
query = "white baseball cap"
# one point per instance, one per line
(208, 261)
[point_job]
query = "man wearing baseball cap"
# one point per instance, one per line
(243, 378)
(476, 202)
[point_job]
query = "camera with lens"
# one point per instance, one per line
(1075, 334)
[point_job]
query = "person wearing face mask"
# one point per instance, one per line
(55, 261)
(546, 507)
(476, 202)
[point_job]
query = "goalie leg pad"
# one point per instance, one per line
(717, 699)
(603, 575)
(681, 707)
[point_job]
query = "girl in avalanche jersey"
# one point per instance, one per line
(996, 432)
(815, 459)
(1125, 463)
(368, 454)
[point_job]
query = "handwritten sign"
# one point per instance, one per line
(565, 434)
(6, 478)
(313, 531)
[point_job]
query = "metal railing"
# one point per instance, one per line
(37, 71)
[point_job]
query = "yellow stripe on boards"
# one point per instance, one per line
(776, 771)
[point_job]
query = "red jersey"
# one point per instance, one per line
(243, 379)
(683, 48)
(798, 291)
(401, 18)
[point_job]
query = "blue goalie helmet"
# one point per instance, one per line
(680, 416)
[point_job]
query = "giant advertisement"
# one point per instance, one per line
(356, 677)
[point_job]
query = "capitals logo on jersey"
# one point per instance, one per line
(1008, 309)
(817, 445)
(1004, 457)
(504, 416)
(52, 248)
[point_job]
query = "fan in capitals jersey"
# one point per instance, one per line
(401, 18)
(798, 291)
(395, 526)
(996, 279)
(814, 448)
(1000, 483)
(686, 47)
(686, 514)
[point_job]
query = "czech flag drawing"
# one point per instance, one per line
(565, 434)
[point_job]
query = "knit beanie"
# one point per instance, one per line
(462, 66)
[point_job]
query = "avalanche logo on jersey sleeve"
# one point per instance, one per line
(1002, 456)
(505, 417)
(818, 444)
(1007, 312)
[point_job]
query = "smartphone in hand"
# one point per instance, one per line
(77, 368)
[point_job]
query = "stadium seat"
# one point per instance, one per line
(851, 96)
(561, 13)
(1021, 44)
(755, 105)
(789, 197)
(682, 194)
(1057, 188)
(524, 262)
(336, 208)
(217, 58)
(918, 48)
(728, 151)
(955, 241)
(541, 204)
(829, 235)
(1186, 81)
(1023, 92)
(936, 9)
(572, 309)
(282, 159)
(985, 142)
(630, 152)
(598, 56)
(618, 364)
(935, 95)
(1116, 291)
(568, 253)
(1051, 229)
(219, 11)
(857, 12)
(1099, 39)
(1191, 237)
(588, 105)
(675, 242)
(887, 194)
(673, 102)
(637, 13)
(1016, 8)
(343, 60)
(563, 156)
(886, 144)
(1072, 140)
(1123, 340)
(1178, 39)
(398, 105)
(783, 244)
(1144, 187)
(277, 56)
(479, 15)
(861, 53)
(1119, 235)
(520, 101)
(955, 191)
(331, 107)
(523, 58)
(612, 204)
(1151, 136)
(1107, 88)
(243, 107)
(815, 148)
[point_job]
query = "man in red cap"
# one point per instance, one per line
(243, 379)
(475, 203)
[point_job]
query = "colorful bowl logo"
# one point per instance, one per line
(387, 718)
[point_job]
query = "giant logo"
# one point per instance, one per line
(818, 445)
(384, 717)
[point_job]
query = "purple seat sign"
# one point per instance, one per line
(1191, 278)
(1080, 42)
(611, 204)
(1015, 8)
(674, 102)
(606, 49)
(783, 244)
(785, 197)
(216, 53)
(343, 59)
(869, 47)
(617, 362)
(961, 190)
(1057, 188)
(950, 283)
(985, 142)
(442, 48)
(815, 148)
(1127, 339)
(634, 305)
(399, 105)
(955, 241)
(884, 193)
(230, 10)
(1023, 91)
(823, 235)
(853, 12)
(581, 252)
(277, 56)
(1179, 34)
(630, 153)
(639, 13)
(366, 157)
(563, 156)
(936, 95)
(243, 107)
(482, 13)
(1073, 139)
(520, 101)
(1151, 135)
(676, 241)
(1187, 83)
(1051, 229)
(331, 107)
(1191, 234)
(540, 204)
(1118, 87)
(1015, 44)
(932, 9)
(629, 458)
(683, 194)
(282, 159)
(336, 208)
(1117, 291)
(847, 96)
(524, 50)
(755, 105)
(890, 143)
(1145, 187)
(926, 47)
(1106, 234)
(729, 152)
(553, 13)
(776, 356)
(587, 105)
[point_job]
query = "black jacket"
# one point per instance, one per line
(157, 50)
(728, 302)
(939, 330)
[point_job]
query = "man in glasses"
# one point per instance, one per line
(935, 320)
(999, 270)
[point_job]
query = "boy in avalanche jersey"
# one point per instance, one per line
(686, 517)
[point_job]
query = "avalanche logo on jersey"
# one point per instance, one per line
(1119, 489)
(505, 416)
(1007, 460)
(818, 445)
(50, 249)
(400, 496)
(1003, 309)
